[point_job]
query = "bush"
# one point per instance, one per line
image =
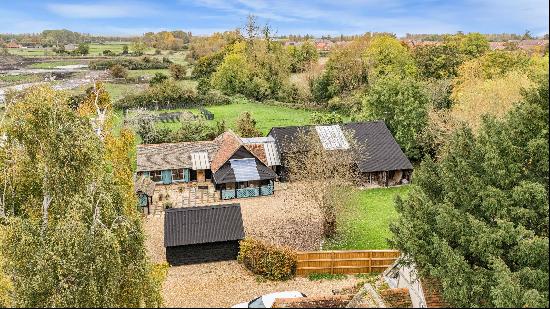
(178, 71)
(268, 261)
(324, 118)
(118, 71)
(145, 63)
(325, 276)
(246, 126)
(170, 95)
(158, 79)
(108, 52)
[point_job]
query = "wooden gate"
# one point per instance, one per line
(345, 262)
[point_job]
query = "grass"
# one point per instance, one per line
(365, 224)
(115, 47)
(118, 91)
(52, 64)
(325, 276)
(151, 72)
(19, 79)
(266, 116)
(96, 49)
(31, 52)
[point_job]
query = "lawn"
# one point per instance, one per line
(150, 72)
(31, 52)
(118, 91)
(266, 116)
(7, 80)
(54, 64)
(115, 47)
(365, 224)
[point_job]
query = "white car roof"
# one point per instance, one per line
(269, 299)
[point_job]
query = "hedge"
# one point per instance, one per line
(268, 261)
(169, 95)
(145, 63)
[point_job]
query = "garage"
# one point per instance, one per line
(202, 234)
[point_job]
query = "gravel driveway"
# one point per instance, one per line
(224, 284)
(282, 218)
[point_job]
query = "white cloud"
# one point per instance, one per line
(100, 11)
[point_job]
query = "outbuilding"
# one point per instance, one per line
(379, 161)
(202, 234)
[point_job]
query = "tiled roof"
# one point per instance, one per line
(397, 298)
(432, 293)
(228, 144)
(206, 224)
(226, 172)
(154, 157)
(378, 150)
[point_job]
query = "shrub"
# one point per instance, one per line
(108, 52)
(268, 261)
(324, 118)
(170, 95)
(118, 71)
(158, 79)
(246, 126)
(325, 276)
(178, 71)
(145, 63)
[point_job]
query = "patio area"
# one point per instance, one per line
(200, 194)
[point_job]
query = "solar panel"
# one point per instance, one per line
(199, 160)
(245, 169)
(332, 137)
(272, 154)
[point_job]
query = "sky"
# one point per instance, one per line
(321, 17)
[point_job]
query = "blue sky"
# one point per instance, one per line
(134, 17)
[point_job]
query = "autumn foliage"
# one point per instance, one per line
(268, 261)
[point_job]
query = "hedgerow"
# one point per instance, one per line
(268, 261)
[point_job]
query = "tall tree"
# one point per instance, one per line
(386, 55)
(477, 220)
(403, 105)
(72, 234)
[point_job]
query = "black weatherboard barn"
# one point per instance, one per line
(380, 159)
(202, 234)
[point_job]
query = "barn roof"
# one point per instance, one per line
(155, 157)
(243, 165)
(378, 150)
(205, 224)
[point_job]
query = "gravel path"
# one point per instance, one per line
(224, 284)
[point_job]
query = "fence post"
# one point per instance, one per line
(332, 262)
(370, 262)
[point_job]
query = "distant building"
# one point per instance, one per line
(323, 44)
(497, 45)
(70, 47)
(13, 44)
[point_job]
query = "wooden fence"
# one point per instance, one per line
(345, 262)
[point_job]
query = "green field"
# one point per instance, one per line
(365, 223)
(151, 72)
(53, 64)
(31, 52)
(8, 80)
(266, 116)
(118, 91)
(96, 49)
